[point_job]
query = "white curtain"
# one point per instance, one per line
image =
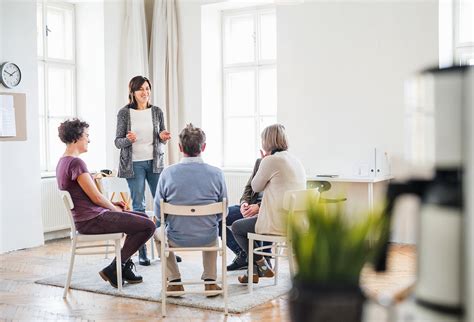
(164, 70)
(135, 48)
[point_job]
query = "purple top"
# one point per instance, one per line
(67, 171)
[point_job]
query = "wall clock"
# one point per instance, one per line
(10, 75)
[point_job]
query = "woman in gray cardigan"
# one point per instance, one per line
(140, 136)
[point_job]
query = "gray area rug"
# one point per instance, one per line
(85, 277)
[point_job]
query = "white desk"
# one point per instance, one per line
(370, 183)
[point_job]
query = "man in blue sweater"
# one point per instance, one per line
(191, 182)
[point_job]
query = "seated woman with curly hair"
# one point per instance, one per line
(92, 212)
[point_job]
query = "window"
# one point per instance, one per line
(56, 76)
(249, 82)
(464, 34)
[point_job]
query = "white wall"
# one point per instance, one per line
(189, 60)
(19, 161)
(1, 152)
(341, 68)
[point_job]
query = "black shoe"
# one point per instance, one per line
(239, 262)
(109, 274)
(142, 259)
(178, 259)
(128, 275)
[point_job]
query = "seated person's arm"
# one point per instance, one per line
(160, 194)
(222, 191)
(89, 187)
(265, 173)
(247, 209)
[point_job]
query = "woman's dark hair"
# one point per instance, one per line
(133, 86)
(70, 131)
(191, 139)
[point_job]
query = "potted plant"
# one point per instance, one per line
(331, 249)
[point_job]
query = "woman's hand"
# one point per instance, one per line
(252, 210)
(243, 207)
(131, 136)
(120, 204)
(165, 135)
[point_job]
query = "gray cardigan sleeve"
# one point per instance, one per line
(161, 119)
(122, 129)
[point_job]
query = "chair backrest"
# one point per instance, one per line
(69, 205)
(194, 210)
(297, 200)
(114, 185)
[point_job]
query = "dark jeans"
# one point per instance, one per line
(233, 215)
(135, 225)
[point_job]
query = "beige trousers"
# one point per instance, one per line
(209, 260)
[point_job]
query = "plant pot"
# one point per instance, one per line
(318, 302)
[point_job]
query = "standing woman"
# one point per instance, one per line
(140, 136)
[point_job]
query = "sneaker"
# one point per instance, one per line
(239, 262)
(128, 275)
(178, 259)
(175, 288)
(212, 287)
(109, 274)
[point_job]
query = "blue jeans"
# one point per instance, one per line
(233, 215)
(143, 171)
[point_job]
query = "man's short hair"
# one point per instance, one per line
(192, 139)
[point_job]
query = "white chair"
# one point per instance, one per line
(198, 210)
(78, 238)
(293, 201)
(112, 186)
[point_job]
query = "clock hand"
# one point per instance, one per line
(13, 73)
(8, 73)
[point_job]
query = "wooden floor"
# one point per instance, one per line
(22, 299)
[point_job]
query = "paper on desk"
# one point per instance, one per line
(7, 116)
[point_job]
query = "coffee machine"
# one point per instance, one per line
(438, 169)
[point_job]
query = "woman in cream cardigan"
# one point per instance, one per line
(279, 172)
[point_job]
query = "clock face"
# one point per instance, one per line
(10, 75)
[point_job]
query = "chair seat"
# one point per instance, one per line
(82, 237)
(267, 238)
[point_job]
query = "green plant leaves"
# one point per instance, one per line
(331, 248)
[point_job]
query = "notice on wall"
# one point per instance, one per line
(7, 116)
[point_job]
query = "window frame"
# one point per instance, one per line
(256, 65)
(46, 62)
(463, 51)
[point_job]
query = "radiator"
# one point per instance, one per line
(52, 207)
(235, 182)
(55, 217)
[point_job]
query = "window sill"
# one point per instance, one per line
(48, 174)
(236, 170)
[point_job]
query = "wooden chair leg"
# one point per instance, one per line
(291, 260)
(250, 266)
(71, 265)
(118, 261)
(275, 269)
(164, 283)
